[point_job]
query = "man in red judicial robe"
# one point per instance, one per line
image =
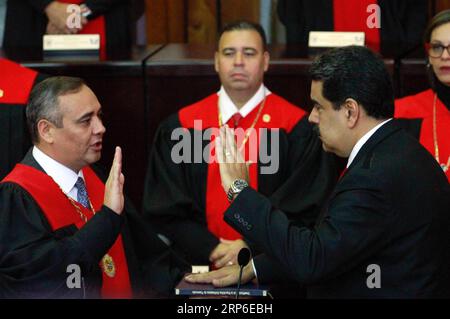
(63, 232)
(183, 194)
(16, 83)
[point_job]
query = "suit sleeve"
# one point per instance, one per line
(32, 254)
(169, 202)
(309, 176)
(270, 271)
(337, 244)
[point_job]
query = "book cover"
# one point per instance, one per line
(185, 288)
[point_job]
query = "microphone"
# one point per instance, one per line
(243, 259)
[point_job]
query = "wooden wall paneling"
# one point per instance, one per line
(202, 22)
(237, 9)
(166, 21)
(156, 21)
(177, 24)
(442, 5)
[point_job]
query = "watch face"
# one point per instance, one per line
(240, 184)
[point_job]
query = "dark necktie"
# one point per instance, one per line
(82, 196)
(342, 173)
(236, 118)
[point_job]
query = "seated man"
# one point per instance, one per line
(57, 217)
(183, 195)
(384, 232)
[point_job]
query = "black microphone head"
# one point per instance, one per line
(244, 256)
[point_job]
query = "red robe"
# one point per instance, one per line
(352, 15)
(207, 111)
(16, 83)
(420, 106)
(59, 213)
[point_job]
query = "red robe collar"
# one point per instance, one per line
(421, 106)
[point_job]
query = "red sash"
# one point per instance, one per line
(16, 82)
(351, 15)
(95, 26)
(60, 212)
(277, 113)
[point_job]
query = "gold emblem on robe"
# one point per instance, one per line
(266, 118)
(108, 266)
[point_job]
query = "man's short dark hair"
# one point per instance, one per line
(43, 102)
(245, 25)
(358, 73)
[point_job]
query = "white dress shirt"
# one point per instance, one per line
(62, 175)
(228, 108)
(363, 141)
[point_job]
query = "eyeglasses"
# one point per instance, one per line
(435, 50)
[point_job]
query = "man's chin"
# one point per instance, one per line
(93, 157)
(325, 147)
(240, 85)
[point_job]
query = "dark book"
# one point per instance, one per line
(185, 288)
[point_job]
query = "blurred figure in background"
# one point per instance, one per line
(402, 22)
(114, 20)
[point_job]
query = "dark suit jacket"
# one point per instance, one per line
(391, 209)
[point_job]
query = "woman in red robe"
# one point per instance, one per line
(431, 108)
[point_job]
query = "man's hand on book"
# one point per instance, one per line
(223, 277)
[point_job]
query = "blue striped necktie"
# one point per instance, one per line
(82, 196)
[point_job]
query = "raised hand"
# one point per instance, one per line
(114, 198)
(231, 162)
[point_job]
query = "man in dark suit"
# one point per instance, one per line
(384, 232)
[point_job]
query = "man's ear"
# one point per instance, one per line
(46, 131)
(352, 112)
(266, 60)
(216, 61)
